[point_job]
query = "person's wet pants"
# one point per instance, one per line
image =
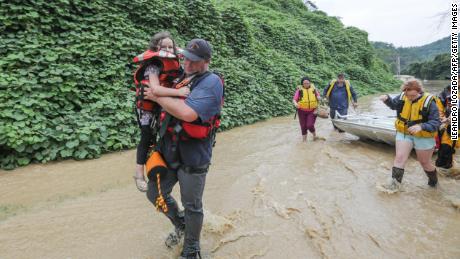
(307, 121)
(191, 184)
(343, 111)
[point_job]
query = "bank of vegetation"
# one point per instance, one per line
(65, 66)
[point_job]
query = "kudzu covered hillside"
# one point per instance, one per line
(65, 66)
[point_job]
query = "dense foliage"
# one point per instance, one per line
(65, 66)
(436, 69)
(388, 53)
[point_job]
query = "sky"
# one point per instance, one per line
(404, 23)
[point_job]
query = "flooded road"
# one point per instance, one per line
(268, 195)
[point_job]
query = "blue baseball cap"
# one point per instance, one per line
(197, 50)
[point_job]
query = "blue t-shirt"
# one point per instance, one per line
(205, 99)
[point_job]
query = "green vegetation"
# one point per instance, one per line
(388, 53)
(437, 69)
(64, 77)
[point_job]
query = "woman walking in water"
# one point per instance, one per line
(306, 99)
(416, 124)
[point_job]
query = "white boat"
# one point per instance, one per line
(368, 126)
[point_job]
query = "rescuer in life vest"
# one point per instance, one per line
(340, 95)
(447, 145)
(416, 125)
(187, 135)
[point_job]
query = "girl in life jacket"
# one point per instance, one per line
(158, 69)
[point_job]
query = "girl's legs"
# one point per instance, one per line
(141, 157)
(142, 150)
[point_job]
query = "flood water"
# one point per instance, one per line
(268, 195)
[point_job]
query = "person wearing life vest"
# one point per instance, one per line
(306, 99)
(416, 124)
(186, 153)
(447, 145)
(159, 67)
(340, 94)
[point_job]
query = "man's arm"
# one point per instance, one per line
(353, 94)
(203, 102)
(177, 108)
(162, 91)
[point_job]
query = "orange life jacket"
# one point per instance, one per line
(169, 70)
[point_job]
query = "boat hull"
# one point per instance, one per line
(369, 128)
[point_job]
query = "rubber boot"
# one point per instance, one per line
(397, 173)
(432, 178)
(445, 154)
(394, 184)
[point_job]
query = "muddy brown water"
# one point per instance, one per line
(267, 196)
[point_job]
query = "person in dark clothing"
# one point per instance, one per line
(188, 158)
(340, 94)
(447, 145)
(416, 125)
